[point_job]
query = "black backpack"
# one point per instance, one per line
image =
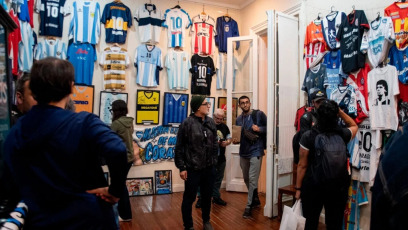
(330, 158)
(255, 121)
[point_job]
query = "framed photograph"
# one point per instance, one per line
(142, 186)
(222, 103)
(175, 108)
(105, 104)
(164, 183)
(147, 107)
(83, 97)
(211, 100)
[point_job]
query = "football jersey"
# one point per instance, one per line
(314, 52)
(366, 149)
(330, 27)
(85, 23)
(23, 12)
(83, 97)
(378, 39)
(175, 108)
(221, 66)
(25, 49)
(299, 113)
(203, 31)
(117, 19)
(176, 21)
(147, 107)
(14, 39)
(51, 48)
(52, 14)
(399, 59)
(357, 196)
(359, 82)
(82, 56)
(114, 61)
(148, 64)
(226, 27)
(334, 75)
(399, 15)
(178, 65)
(202, 69)
(150, 21)
(345, 96)
(350, 35)
(314, 80)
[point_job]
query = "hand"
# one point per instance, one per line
(104, 195)
(224, 143)
(183, 175)
(297, 196)
(255, 128)
(235, 141)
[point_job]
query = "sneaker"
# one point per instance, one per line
(124, 220)
(198, 204)
(207, 226)
(247, 213)
(219, 201)
(255, 203)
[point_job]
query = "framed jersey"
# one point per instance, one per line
(175, 108)
(105, 104)
(147, 107)
(83, 97)
(222, 104)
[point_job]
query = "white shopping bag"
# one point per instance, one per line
(292, 218)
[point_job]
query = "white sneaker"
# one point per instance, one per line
(126, 220)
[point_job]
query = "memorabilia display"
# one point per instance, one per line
(140, 186)
(83, 97)
(164, 183)
(105, 104)
(147, 107)
(175, 108)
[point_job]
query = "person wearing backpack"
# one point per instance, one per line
(323, 171)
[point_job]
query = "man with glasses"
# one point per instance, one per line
(251, 151)
(196, 155)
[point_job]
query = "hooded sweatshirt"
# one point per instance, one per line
(123, 126)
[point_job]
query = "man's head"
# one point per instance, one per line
(327, 115)
(119, 109)
(382, 88)
(244, 103)
(218, 116)
(199, 106)
(51, 80)
(317, 97)
(25, 99)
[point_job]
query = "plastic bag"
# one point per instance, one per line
(292, 218)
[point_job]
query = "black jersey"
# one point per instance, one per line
(202, 69)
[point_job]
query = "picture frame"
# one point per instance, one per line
(164, 182)
(211, 100)
(175, 108)
(222, 103)
(141, 186)
(147, 107)
(83, 98)
(105, 104)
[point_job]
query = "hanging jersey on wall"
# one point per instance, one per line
(345, 96)
(221, 66)
(178, 65)
(150, 21)
(357, 197)
(366, 149)
(314, 45)
(52, 14)
(399, 15)
(147, 107)
(23, 13)
(203, 31)
(226, 27)
(359, 82)
(175, 108)
(399, 59)
(314, 80)
(330, 27)
(378, 39)
(117, 19)
(176, 21)
(14, 39)
(83, 97)
(25, 49)
(82, 56)
(51, 48)
(334, 75)
(202, 69)
(148, 64)
(114, 61)
(85, 23)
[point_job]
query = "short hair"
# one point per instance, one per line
(327, 115)
(383, 83)
(119, 109)
(219, 112)
(21, 81)
(51, 80)
(243, 97)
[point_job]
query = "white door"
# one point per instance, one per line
(243, 64)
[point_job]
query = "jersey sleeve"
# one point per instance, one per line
(390, 31)
(167, 62)
(159, 61)
(340, 32)
(102, 58)
(164, 24)
(37, 7)
(192, 29)
(98, 19)
(395, 84)
(66, 9)
(38, 51)
(127, 61)
(212, 68)
(64, 51)
(129, 17)
(188, 20)
(95, 55)
(136, 15)
(363, 21)
(135, 60)
(105, 15)
(306, 141)
(364, 42)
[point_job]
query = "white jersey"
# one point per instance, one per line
(366, 149)
(345, 96)
(221, 66)
(85, 26)
(150, 21)
(25, 47)
(203, 31)
(114, 61)
(178, 65)
(176, 21)
(51, 48)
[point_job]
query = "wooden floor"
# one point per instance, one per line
(164, 212)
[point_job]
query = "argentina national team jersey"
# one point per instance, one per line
(52, 14)
(178, 65)
(85, 23)
(176, 21)
(25, 48)
(148, 64)
(175, 108)
(51, 48)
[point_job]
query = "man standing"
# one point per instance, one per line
(196, 154)
(251, 151)
(24, 98)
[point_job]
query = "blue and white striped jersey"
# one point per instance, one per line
(178, 65)
(176, 21)
(25, 47)
(85, 23)
(175, 108)
(51, 48)
(148, 64)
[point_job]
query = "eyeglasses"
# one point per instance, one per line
(218, 118)
(245, 103)
(207, 103)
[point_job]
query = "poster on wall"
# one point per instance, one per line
(141, 186)
(211, 101)
(175, 108)
(222, 104)
(156, 144)
(163, 181)
(105, 104)
(83, 98)
(147, 107)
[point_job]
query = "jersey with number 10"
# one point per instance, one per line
(117, 19)
(52, 14)
(202, 71)
(175, 20)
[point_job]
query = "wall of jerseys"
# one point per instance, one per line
(133, 50)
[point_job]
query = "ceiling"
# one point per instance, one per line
(232, 4)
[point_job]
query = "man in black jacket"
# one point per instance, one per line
(196, 155)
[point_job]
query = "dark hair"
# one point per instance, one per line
(51, 80)
(243, 97)
(327, 116)
(119, 109)
(383, 83)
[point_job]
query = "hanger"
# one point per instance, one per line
(382, 64)
(178, 48)
(177, 6)
(117, 1)
(226, 15)
(203, 13)
(318, 20)
(115, 45)
(354, 9)
(51, 38)
(378, 16)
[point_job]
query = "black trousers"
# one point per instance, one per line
(124, 208)
(197, 178)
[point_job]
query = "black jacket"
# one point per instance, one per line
(197, 146)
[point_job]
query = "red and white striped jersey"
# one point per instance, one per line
(314, 52)
(203, 31)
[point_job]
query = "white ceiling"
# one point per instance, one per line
(232, 4)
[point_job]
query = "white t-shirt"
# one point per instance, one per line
(382, 91)
(150, 19)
